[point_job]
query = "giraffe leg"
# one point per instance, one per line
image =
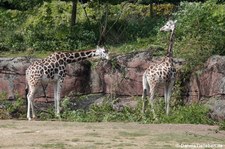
(151, 100)
(30, 97)
(166, 95)
(145, 91)
(28, 107)
(55, 97)
(57, 91)
(169, 92)
(32, 109)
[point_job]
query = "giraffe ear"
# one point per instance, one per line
(106, 50)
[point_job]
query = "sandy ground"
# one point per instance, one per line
(73, 135)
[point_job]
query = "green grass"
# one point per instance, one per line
(54, 145)
(36, 54)
(132, 134)
(140, 44)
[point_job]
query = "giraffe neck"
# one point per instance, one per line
(171, 42)
(71, 57)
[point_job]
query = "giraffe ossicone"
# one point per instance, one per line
(163, 72)
(53, 70)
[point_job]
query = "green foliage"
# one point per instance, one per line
(192, 114)
(222, 125)
(200, 31)
(104, 112)
(21, 4)
(12, 109)
(46, 27)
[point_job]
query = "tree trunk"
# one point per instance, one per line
(103, 26)
(151, 9)
(74, 13)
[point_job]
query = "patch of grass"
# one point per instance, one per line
(28, 131)
(55, 146)
(186, 138)
(8, 126)
(36, 54)
(75, 140)
(132, 134)
(93, 134)
(89, 141)
(122, 145)
(100, 143)
(222, 125)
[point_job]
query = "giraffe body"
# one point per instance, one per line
(53, 70)
(163, 72)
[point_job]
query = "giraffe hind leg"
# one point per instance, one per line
(145, 91)
(144, 97)
(151, 99)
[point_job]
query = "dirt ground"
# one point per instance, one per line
(22, 134)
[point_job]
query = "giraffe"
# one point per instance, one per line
(53, 70)
(162, 72)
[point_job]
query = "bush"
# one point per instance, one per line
(200, 31)
(192, 114)
(12, 109)
(47, 26)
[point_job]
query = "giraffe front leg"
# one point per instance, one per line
(30, 96)
(169, 92)
(57, 94)
(55, 97)
(166, 96)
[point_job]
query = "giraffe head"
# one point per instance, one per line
(169, 26)
(102, 53)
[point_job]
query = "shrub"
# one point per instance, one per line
(192, 114)
(200, 31)
(47, 26)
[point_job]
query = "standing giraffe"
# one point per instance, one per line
(52, 70)
(162, 72)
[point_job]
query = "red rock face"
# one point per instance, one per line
(210, 81)
(122, 75)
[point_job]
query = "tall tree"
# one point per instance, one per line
(74, 12)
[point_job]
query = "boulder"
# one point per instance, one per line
(12, 76)
(124, 73)
(207, 85)
(209, 81)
